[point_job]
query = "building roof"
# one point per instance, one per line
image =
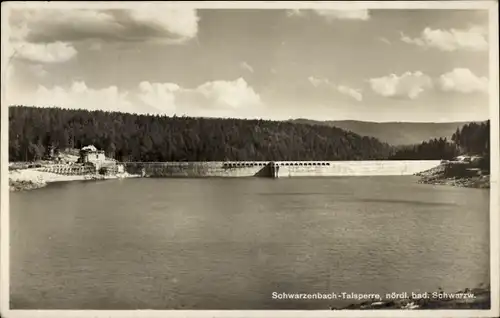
(89, 148)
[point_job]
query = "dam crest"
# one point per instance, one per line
(280, 169)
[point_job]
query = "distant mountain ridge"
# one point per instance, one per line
(393, 133)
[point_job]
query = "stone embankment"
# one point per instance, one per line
(29, 179)
(456, 174)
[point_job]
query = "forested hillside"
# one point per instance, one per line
(129, 137)
(394, 133)
(34, 131)
(472, 139)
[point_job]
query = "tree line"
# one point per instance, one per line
(35, 132)
(471, 139)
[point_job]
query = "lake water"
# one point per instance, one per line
(231, 243)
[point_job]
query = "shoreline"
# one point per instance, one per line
(482, 182)
(455, 174)
(31, 179)
(447, 174)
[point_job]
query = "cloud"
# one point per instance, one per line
(77, 96)
(216, 97)
(139, 24)
(354, 93)
(384, 40)
(56, 52)
(472, 39)
(316, 82)
(294, 13)
(228, 94)
(344, 14)
(462, 80)
(246, 66)
(332, 14)
(408, 85)
(50, 35)
(158, 95)
(38, 70)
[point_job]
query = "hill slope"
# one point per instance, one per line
(394, 133)
(34, 131)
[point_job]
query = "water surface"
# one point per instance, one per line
(231, 243)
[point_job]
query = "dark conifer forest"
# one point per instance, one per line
(129, 137)
(471, 139)
(33, 132)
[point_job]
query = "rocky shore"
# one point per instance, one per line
(30, 179)
(477, 298)
(455, 174)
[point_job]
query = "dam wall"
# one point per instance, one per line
(353, 168)
(199, 169)
(279, 169)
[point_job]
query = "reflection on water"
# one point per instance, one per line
(231, 243)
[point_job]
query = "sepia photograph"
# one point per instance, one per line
(249, 158)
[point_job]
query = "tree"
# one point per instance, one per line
(36, 151)
(161, 138)
(14, 149)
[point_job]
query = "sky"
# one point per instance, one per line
(419, 65)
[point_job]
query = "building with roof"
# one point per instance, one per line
(90, 154)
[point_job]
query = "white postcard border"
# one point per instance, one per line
(492, 6)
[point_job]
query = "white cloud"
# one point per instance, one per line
(316, 82)
(409, 85)
(354, 93)
(333, 14)
(344, 14)
(472, 39)
(464, 81)
(49, 35)
(384, 40)
(153, 22)
(294, 13)
(78, 96)
(56, 52)
(416, 41)
(158, 95)
(228, 94)
(18, 30)
(246, 66)
(217, 97)
(181, 24)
